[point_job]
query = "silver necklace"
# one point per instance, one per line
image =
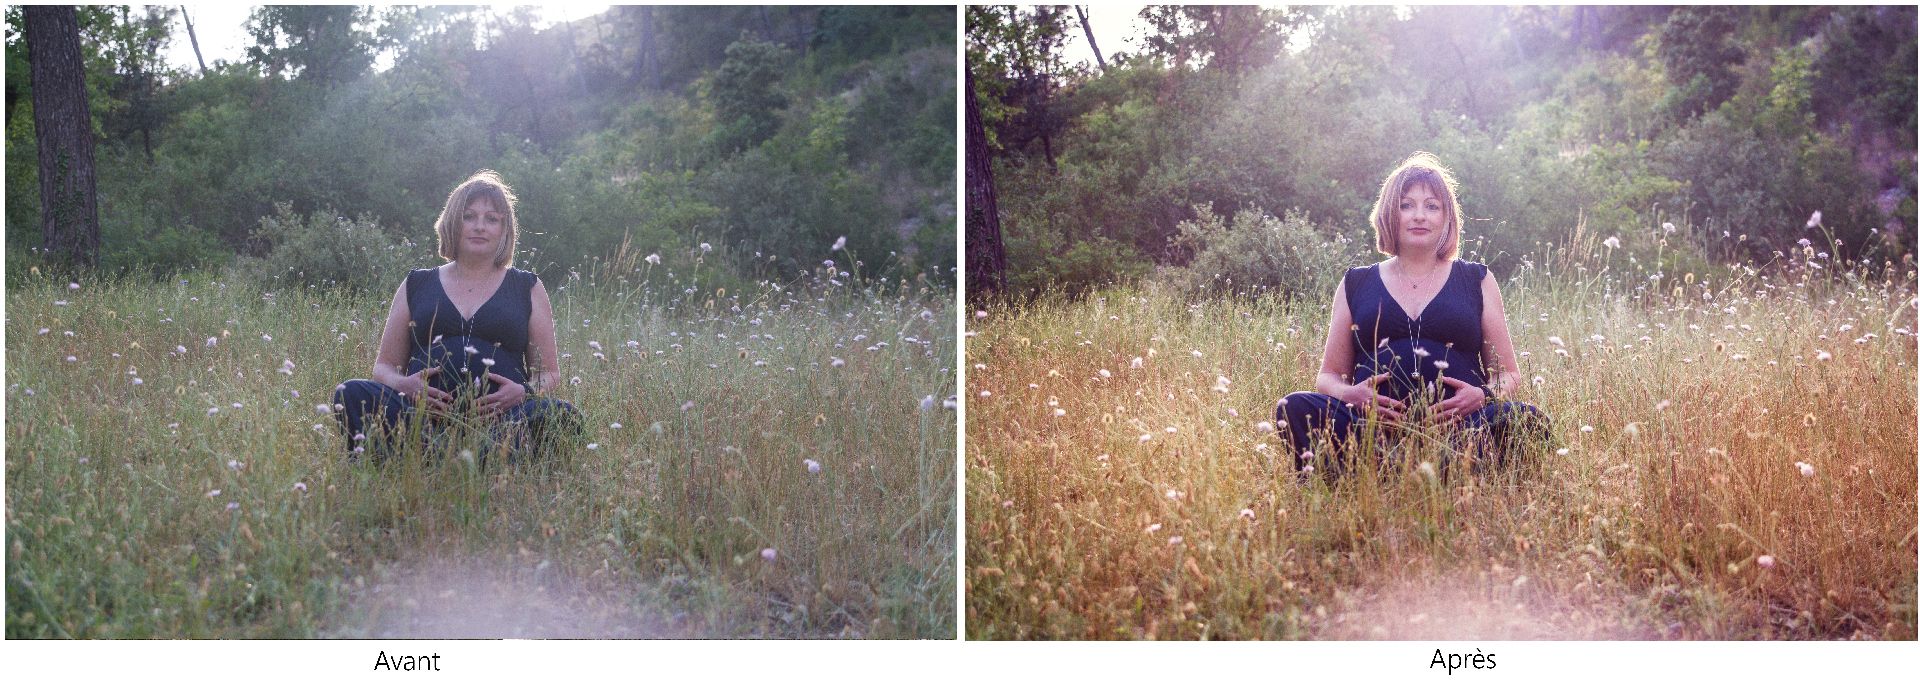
(477, 285)
(1416, 282)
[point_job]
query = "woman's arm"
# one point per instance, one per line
(390, 364)
(545, 356)
(1336, 360)
(1336, 364)
(1503, 368)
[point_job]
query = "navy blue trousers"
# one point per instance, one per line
(1489, 434)
(361, 405)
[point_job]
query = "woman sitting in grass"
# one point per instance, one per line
(1420, 338)
(471, 340)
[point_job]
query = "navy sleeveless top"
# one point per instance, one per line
(466, 349)
(1386, 339)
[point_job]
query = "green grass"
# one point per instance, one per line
(1107, 500)
(654, 529)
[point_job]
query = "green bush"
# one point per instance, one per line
(168, 250)
(325, 250)
(1256, 254)
(1085, 265)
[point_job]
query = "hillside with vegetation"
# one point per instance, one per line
(1563, 124)
(762, 132)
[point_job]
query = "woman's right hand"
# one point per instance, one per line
(1366, 394)
(414, 387)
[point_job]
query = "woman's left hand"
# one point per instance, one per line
(1466, 398)
(508, 395)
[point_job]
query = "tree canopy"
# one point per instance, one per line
(764, 132)
(1733, 125)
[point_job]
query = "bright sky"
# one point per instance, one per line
(1114, 26)
(1118, 27)
(223, 34)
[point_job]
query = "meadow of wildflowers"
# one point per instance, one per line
(759, 463)
(1734, 457)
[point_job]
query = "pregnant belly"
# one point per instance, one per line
(462, 371)
(1416, 365)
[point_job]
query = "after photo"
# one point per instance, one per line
(1440, 323)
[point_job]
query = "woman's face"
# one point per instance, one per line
(1423, 220)
(481, 229)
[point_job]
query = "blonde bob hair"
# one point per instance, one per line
(483, 184)
(1423, 169)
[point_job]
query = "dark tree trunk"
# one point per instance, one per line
(986, 255)
(647, 66)
(69, 221)
(194, 39)
(1580, 26)
(573, 59)
(1088, 28)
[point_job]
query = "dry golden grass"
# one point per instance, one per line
(1107, 499)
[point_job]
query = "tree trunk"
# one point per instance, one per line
(573, 58)
(1579, 27)
(194, 39)
(69, 220)
(648, 66)
(986, 256)
(1088, 28)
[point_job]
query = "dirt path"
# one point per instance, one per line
(443, 599)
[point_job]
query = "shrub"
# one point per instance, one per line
(164, 251)
(323, 249)
(1256, 254)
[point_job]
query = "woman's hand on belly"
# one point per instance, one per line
(415, 387)
(1465, 399)
(507, 394)
(1366, 394)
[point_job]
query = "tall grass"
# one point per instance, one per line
(168, 474)
(1120, 484)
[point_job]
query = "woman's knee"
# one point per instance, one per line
(554, 412)
(1517, 414)
(1299, 407)
(356, 394)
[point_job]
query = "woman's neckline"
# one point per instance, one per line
(1439, 285)
(440, 275)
